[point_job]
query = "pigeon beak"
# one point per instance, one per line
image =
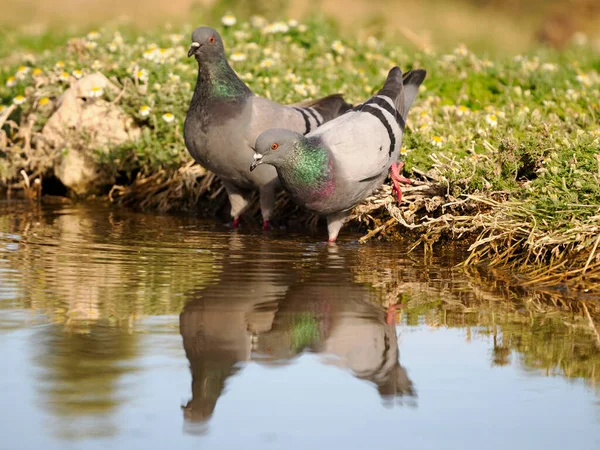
(257, 161)
(195, 46)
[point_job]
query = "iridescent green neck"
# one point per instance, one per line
(308, 172)
(217, 80)
(224, 82)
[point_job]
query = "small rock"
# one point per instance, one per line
(82, 125)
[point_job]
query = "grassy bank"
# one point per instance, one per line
(506, 151)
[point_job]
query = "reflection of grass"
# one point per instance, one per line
(83, 277)
(542, 331)
(552, 341)
(304, 331)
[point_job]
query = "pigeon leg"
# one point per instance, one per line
(397, 178)
(239, 202)
(335, 222)
(267, 203)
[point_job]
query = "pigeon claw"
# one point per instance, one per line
(235, 224)
(266, 225)
(397, 178)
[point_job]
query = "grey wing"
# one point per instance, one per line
(267, 114)
(364, 143)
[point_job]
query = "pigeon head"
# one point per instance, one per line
(207, 44)
(274, 146)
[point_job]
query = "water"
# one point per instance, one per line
(124, 330)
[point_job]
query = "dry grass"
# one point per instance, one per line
(511, 238)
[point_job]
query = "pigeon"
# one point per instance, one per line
(225, 117)
(335, 167)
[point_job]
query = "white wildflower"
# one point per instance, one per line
(301, 89)
(492, 120)
(19, 100)
(141, 75)
(258, 21)
(549, 67)
(338, 47)
(95, 92)
(238, 57)
(266, 63)
(93, 35)
(22, 72)
(462, 110)
(276, 27)
(175, 38)
(437, 141)
(228, 20)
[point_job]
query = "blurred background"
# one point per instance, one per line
(504, 26)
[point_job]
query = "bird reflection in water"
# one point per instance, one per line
(270, 313)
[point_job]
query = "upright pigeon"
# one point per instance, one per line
(337, 166)
(225, 118)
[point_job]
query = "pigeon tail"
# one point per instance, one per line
(402, 89)
(411, 81)
(329, 107)
(393, 88)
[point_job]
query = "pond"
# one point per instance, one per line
(129, 330)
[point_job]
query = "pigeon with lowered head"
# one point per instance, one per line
(337, 166)
(225, 118)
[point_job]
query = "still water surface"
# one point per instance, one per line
(125, 330)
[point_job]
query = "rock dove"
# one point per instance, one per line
(225, 118)
(337, 166)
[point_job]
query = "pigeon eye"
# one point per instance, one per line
(211, 39)
(274, 146)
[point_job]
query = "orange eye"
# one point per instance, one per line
(274, 146)
(211, 39)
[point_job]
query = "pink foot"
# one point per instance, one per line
(266, 225)
(235, 224)
(397, 178)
